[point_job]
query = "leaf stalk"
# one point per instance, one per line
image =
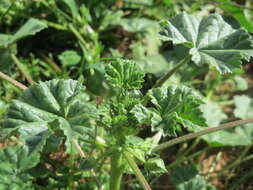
(137, 171)
(201, 133)
(163, 79)
(12, 81)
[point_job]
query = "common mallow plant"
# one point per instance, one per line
(67, 140)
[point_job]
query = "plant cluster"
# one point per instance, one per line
(106, 130)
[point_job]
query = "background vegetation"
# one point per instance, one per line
(75, 39)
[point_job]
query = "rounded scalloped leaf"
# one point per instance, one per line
(56, 104)
(211, 40)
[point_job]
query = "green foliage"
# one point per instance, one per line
(76, 137)
(69, 58)
(155, 165)
(240, 136)
(174, 107)
(187, 178)
(51, 107)
(31, 27)
(124, 74)
(15, 162)
(210, 40)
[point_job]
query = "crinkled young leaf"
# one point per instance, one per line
(124, 74)
(211, 40)
(14, 163)
(173, 106)
(31, 27)
(45, 102)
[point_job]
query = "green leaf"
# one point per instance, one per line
(184, 173)
(69, 58)
(124, 74)
(55, 105)
(110, 18)
(240, 83)
(14, 163)
(213, 113)
(239, 136)
(210, 40)
(72, 6)
(142, 114)
(31, 27)
(198, 183)
(137, 24)
(187, 178)
(240, 14)
(5, 58)
(155, 166)
(243, 106)
(162, 62)
(174, 106)
(139, 147)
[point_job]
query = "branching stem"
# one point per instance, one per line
(200, 133)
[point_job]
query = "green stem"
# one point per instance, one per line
(200, 133)
(55, 25)
(231, 166)
(82, 155)
(116, 171)
(137, 171)
(23, 69)
(162, 80)
(178, 161)
(12, 81)
(72, 162)
(78, 36)
(7, 11)
(182, 159)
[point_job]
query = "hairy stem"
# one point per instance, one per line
(116, 171)
(162, 80)
(200, 133)
(137, 171)
(12, 81)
